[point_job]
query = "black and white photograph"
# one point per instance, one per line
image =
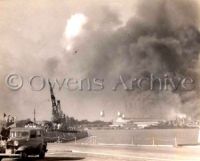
(109, 80)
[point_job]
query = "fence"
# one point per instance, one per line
(153, 141)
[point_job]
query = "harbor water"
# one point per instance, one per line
(144, 136)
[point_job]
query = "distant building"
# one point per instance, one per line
(134, 122)
(119, 122)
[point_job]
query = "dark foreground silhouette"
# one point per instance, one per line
(46, 159)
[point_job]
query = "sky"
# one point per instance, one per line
(88, 39)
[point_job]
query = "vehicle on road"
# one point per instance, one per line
(23, 142)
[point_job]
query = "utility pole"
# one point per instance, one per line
(34, 113)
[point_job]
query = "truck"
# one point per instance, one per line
(23, 142)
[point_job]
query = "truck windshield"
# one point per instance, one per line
(19, 134)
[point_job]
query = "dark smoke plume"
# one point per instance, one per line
(162, 37)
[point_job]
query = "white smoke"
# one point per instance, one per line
(73, 28)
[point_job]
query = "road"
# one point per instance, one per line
(64, 151)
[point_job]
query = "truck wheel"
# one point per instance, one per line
(42, 151)
(42, 154)
(24, 155)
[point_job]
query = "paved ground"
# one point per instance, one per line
(65, 151)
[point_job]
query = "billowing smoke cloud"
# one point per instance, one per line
(162, 37)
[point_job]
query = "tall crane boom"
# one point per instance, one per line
(57, 113)
(53, 99)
